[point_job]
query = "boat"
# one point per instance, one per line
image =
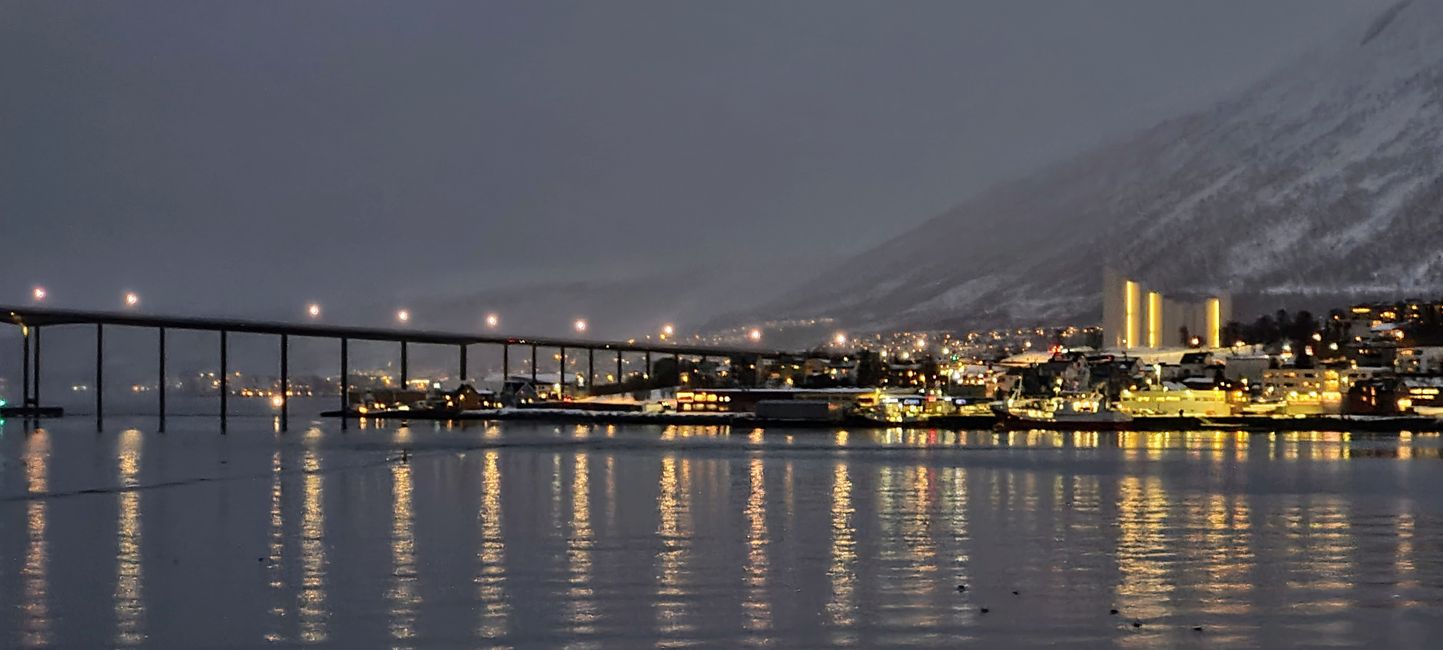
(1079, 411)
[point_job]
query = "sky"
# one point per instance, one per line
(245, 157)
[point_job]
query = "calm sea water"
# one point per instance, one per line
(527, 535)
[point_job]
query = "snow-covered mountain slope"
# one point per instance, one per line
(1325, 179)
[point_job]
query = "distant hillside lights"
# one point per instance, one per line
(1135, 318)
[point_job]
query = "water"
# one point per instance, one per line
(528, 535)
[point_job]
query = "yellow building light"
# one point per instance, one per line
(1130, 295)
(1154, 319)
(1215, 322)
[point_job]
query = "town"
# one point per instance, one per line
(1156, 362)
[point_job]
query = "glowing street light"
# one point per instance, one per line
(313, 310)
(668, 329)
(38, 294)
(131, 299)
(492, 320)
(755, 335)
(580, 325)
(840, 339)
(403, 315)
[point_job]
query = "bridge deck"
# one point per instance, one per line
(43, 316)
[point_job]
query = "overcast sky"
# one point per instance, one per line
(235, 156)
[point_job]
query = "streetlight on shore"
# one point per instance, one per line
(840, 339)
(667, 330)
(492, 320)
(38, 294)
(131, 299)
(313, 310)
(580, 325)
(755, 335)
(403, 315)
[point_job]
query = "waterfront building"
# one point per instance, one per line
(1247, 369)
(1138, 317)
(1426, 360)
(1162, 400)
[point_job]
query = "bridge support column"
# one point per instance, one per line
(99, 386)
(561, 371)
(405, 367)
(463, 364)
(160, 384)
(505, 364)
(25, 364)
(285, 382)
(224, 379)
(35, 388)
(345, 382)
(533, 367)
(590, 369)
(618, 367)
(646, 374)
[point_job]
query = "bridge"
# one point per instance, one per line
(33, 319)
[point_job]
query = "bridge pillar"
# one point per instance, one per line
(463, 363)
(505, 364)
(533, 367)
(99, 387)
(590, 369)
(561, 371)
(160, 384)
(25, 364)
(224, 378)
(345, 381)
(618, 367)
(405, 368)
(646, 374)
(285, 382)
(35, 388)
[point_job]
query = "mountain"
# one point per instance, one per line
(1323, 180)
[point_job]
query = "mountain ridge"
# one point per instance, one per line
(1320, 180)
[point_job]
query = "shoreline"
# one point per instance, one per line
(1340, 423)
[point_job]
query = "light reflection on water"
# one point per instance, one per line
(491, 582)
(624, 536)
(674, 512)
(757, 612)
(311, 601)
(35, 630)
(129, 574)
(841, 609)
(580, 599)
(403, 593)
